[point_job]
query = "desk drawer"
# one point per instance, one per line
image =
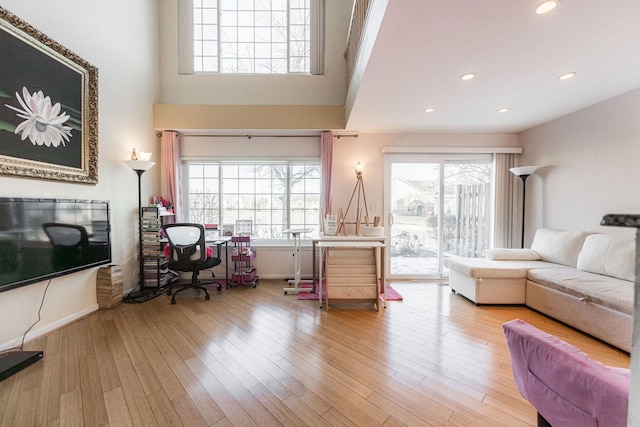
(352, 292)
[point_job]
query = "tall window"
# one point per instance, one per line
(252, 36)
(274, 195)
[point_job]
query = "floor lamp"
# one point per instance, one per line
(140, 164)
(523, 172)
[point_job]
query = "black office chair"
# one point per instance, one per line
(188, 253)
(70, 243)
(66, 235)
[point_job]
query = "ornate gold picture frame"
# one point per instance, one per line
(48, 107)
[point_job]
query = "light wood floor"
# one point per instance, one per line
(257, 357)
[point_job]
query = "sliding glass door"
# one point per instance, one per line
(436, 206)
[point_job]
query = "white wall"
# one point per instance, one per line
(590, 166)
(120, 38)
(367, 148)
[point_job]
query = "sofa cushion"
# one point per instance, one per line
(511, 254)
(487, 268)
(560, 247)
(610, 255)
(607, 291)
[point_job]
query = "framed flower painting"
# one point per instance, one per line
(48, 107)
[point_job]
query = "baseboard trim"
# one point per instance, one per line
(37, 332)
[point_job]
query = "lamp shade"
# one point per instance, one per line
(523, 170)
(139, 165)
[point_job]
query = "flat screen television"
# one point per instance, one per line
(45, 238)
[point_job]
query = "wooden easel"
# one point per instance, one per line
(359, 188)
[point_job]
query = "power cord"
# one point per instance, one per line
(21, 347)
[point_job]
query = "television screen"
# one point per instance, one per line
(45, 238)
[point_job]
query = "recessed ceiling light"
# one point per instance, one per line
(503, 110)
(468, 76)
(429, 110)
(567, 76)
(546, 6)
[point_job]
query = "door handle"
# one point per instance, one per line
(391, 219)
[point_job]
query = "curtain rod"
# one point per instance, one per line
(248, 136)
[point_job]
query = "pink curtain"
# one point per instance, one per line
(326, 164)
(171, 170)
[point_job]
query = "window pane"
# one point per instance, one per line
(229, 171)
(209, 16)
(246, 171)
(263, 202)
(228, 65)
(263, 35)
(246, 34)
(246, 203)
(279, 5)
(263, 19)
(258, 191)
(263, 50)
(245, 65)
(246, 186)
(229, 35)
(209, 50)
(278, 202)
(196, 186)
(229, 4)
(263, 66)
(246, 19)
(229, 186)
(228, 19)
(210, 64)
(239, 24)
(279, 35)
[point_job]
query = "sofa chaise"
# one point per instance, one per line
(585, 280)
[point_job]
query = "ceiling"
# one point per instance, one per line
(425, 46)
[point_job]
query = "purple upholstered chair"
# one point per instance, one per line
(563, 383)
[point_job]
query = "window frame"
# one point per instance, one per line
(186, 41)
(310, 209)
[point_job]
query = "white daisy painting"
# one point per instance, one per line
(44, 123)
(48, 107)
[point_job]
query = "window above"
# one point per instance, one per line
(251, 36)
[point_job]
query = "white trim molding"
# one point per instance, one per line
(450, 150)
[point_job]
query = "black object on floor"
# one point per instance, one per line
(141, 296)
(15, 361)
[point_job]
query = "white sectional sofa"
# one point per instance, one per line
(583, 279)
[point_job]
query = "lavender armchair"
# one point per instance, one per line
(564, 384)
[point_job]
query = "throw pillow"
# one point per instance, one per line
(511, 254)
(609, 255)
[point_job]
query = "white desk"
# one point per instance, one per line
(338, 238)
(297, 263)
(380, 269)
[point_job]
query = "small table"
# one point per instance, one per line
(338, 238)
(355, 243)
(297, 263)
